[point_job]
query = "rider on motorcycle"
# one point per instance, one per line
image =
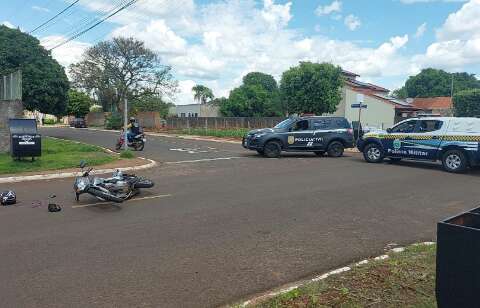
(133, 129)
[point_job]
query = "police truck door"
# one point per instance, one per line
(425, 140)
(300, 136)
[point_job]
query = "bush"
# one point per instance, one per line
(127, 154)
(96, 108)
(114, 121)
(49, 121)
(467, 103)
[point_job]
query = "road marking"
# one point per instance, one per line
(200, 160)
(111, 203)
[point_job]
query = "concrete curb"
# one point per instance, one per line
(292, 286)
(61, 175)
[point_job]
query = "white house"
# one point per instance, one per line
(195, 111)
(382, 110)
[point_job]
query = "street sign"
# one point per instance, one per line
(359, 105)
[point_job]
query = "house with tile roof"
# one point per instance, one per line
(441, 106)
(382, 110)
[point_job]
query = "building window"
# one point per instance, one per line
(196, 115)
(182, 115)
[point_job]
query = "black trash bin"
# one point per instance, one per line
(458, 261)
(24, 138)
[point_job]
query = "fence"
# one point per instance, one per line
(221, 123)
(11, 86)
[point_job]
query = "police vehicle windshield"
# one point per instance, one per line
(285, 124)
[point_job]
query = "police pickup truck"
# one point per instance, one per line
(302, 134)
(453, 141)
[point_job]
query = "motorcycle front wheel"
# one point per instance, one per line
(139, 146)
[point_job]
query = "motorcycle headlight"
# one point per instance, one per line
(81, 184)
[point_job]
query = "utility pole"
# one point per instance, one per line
(125, 122)
(451, 88)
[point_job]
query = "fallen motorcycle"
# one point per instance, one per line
(137, 143)
(118, 188)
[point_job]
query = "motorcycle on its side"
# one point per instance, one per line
(118, 188)
(137, 143)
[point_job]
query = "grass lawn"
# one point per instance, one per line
(406, 279)
(222, 133)
(56, 154)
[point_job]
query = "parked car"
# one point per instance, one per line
(453, 141)
(303, 134)
(79, 123)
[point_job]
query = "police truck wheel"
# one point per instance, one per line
(454, 161)
(335, 149)
(319, 153)
(261, 152)
(373, 153)
(272, 149)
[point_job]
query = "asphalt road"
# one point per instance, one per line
(226, 229)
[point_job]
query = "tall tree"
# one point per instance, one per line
(466, 103)
(258, 96)
(44, 82)
(78, 103)
(433, 82)
(202, 94)
(312, 88)
(122, 67)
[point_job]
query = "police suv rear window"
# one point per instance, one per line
(330, 123)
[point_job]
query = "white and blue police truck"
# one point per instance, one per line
(453, 141)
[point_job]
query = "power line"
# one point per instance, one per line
(95, 24)
(82, 24)
(56, 15)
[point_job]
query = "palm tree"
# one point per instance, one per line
(202, 94)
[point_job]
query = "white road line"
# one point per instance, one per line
(129, 201)
(200, 160)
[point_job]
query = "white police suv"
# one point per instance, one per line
(454, 141)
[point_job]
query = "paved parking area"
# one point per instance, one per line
(225, 229)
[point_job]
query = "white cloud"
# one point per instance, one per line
(41, 9)
(334, 7)
(66, 54)
(276, 15)
(156, 35)
(352, 22)
(8, 24)
(463, 24)
(218, 43)
(421, 30)
(458, 41)
(428, 1)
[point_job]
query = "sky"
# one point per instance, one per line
(217, 42)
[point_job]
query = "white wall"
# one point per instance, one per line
(378, 114)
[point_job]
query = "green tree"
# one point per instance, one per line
(122, 67)
(466, 103)
(249, 101)
(258, 96)
(433, 82)
(151, 103)
(202, 94)
(78, 103)
(266, 81)
(44, 82)
(312, 88)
